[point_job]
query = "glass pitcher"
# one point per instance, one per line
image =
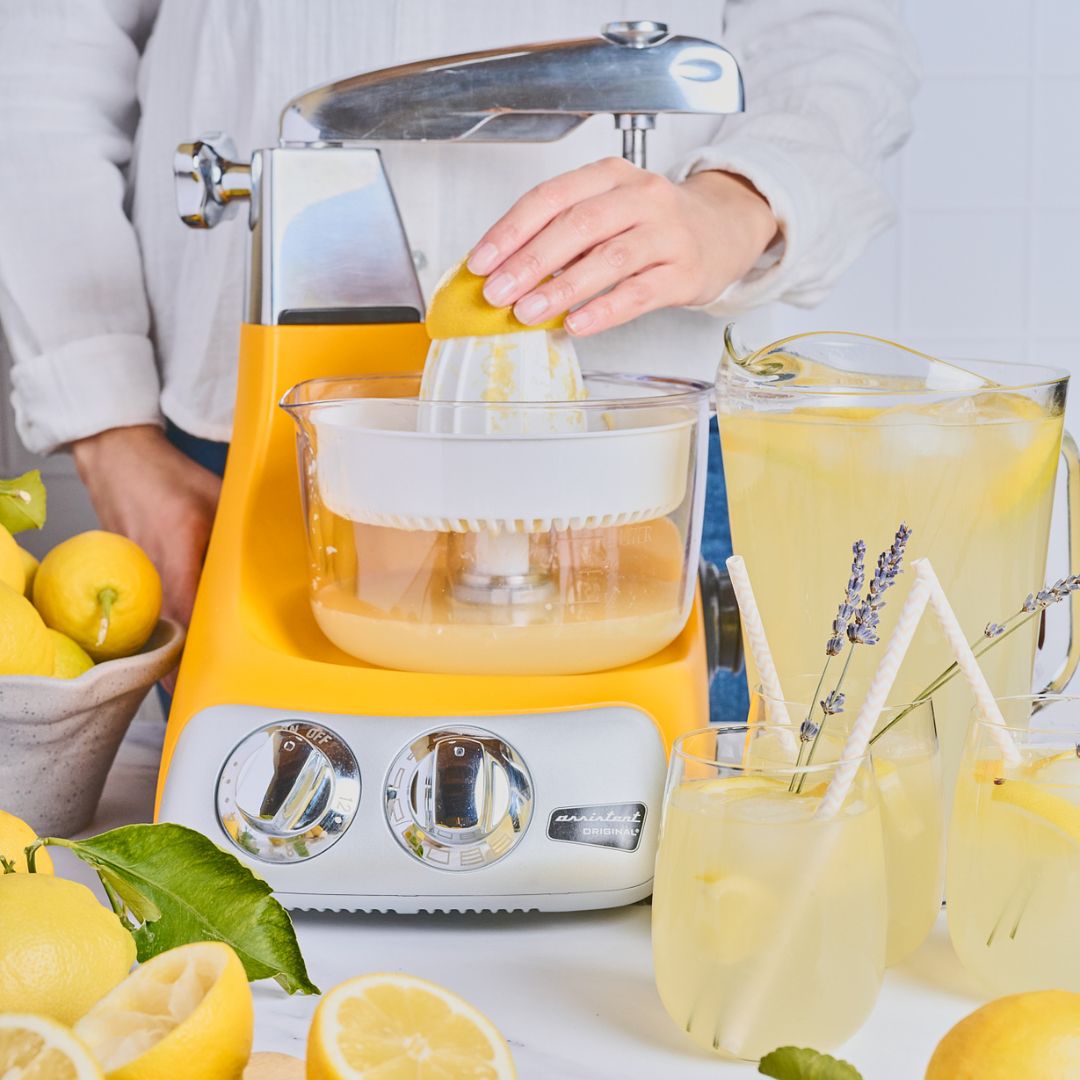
(832, 437)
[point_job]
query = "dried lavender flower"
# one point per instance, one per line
(993, 630)
(862, 630)
(850, 603)
(833, 703)
(808, 730)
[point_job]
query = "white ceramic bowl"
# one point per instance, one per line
(58, 737)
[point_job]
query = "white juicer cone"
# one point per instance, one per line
(527, 366)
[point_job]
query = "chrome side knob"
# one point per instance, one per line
(458, 798)
(209, 183)
(635, 33)
(288, 791)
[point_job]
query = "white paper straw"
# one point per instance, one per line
(858, 740)
(759, 650)
(969, 665)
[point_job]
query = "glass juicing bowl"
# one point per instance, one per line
(502, 537)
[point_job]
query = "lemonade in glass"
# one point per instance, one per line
(907, 767)
(769, 921)
(1013, 880)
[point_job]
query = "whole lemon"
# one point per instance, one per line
(62, 951)
(15, 837)
(71, 659)
(12, 572)
(1023, 1035)
(102, 590)
(458, 309)
(30, 565)
(25, 645)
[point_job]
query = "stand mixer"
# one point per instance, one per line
(457, 690)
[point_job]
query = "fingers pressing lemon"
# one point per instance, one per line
(458, 309)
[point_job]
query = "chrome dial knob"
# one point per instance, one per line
(459, 798)
(209, 183)
(288, 791)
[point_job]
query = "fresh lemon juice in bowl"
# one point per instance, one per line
(906, 760)
(828, 437)
(1014, 850)
(768, 920)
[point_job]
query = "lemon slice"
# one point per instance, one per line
(743, 915)
(1052, 810)
(188, 1008)
(37, 1048)
(397, 1027)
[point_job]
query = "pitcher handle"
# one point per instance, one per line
(1068, 668)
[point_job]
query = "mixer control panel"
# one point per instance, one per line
(458, 798)
(288, 791)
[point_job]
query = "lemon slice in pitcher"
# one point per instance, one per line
(1050, 809)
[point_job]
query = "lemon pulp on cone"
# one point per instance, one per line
(398, 1027)
(61, 950)
(25, 645)
(186, 1012)
(102, 591)
(15, 837)
(458, 309)
(1034, 1036)
(30, 566)
(70, 659)
(37, 1048)
(12, 570)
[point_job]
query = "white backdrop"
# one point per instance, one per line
(981, 262)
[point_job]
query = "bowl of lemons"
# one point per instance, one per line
(81, 645)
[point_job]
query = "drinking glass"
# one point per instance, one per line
(1013, 879)
(907, 767)
(769, 918)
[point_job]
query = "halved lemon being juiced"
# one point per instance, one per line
(37, 1048)
(186, 1012)
(398, 1027)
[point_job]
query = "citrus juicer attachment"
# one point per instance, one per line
(429, 778)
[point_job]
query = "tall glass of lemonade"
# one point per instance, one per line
(829, 437)
(906, 760)
(1014, 849)
(769, 919)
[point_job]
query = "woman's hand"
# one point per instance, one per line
(637, 238)
(145, 488)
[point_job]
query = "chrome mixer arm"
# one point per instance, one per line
(526, 93)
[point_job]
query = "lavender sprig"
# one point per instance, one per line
(863, 627)
(850, 604)
(833, 703)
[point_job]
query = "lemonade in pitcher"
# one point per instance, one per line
(830, 437)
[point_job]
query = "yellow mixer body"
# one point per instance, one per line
(253, 639)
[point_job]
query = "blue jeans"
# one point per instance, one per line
(727, 696)
(728, 702)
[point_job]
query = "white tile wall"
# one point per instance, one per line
(983, 259)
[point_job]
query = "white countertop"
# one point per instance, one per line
(573, 994)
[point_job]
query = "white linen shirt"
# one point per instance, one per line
(117, 314)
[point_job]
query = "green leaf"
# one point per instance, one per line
(178, 887)
(792, 1063)
(22, 502)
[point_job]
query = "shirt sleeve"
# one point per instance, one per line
(72, 300)
(828, 90)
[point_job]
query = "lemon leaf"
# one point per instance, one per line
(22, 502)
(793, 1063)
(180, 887)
